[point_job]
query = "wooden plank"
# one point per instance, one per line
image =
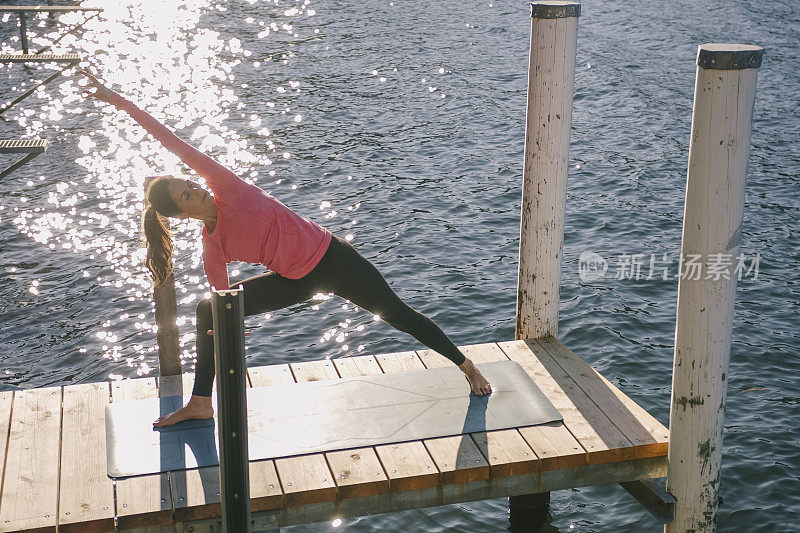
(261, 376)
(399, 362)
(86, 498)
(142, 501)
(6, 400)
(602, 440)
(458, 459)
(487, 352)
(507, 453)
(314, 371)
(128, 390)
(196, 493)
(555, 446)
(30, 488)
(357, 472)
(306, 479)
(359, 365)
(362, 365)
(647, 434)
(408, 465)
(265, 487)
(432, 359)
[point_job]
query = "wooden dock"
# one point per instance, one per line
(54, 469)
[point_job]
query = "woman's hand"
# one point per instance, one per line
(102, 93)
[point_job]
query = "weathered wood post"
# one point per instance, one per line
(227, 309)
(712, 227)
(166, 309)
(551, 76)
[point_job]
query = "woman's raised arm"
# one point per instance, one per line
(219, 178)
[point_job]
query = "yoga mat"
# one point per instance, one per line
(319, 416)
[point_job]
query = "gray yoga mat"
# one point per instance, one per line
(318, 416)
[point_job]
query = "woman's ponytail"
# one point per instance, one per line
(159, 246)
(155, 228)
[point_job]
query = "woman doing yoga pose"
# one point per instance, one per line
(244, 223)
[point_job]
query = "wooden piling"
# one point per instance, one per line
(551, 74)
(712, 226)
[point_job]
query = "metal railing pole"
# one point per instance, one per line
(234, 466)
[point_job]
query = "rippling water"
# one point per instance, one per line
(400, 125)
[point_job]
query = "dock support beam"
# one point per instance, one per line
(551, 77)
(227, 309)
(528, 513)
(712, 228)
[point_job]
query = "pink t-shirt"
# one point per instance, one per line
(252, 226)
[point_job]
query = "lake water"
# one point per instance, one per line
(400, 126)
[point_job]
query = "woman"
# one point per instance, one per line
(243, 223)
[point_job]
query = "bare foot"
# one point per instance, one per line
(199, 407)
(479, 384)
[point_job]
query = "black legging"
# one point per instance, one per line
(346, 273)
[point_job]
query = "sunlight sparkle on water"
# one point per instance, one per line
(186, 74)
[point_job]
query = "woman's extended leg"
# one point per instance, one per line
(354, 278)
(264, 293)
